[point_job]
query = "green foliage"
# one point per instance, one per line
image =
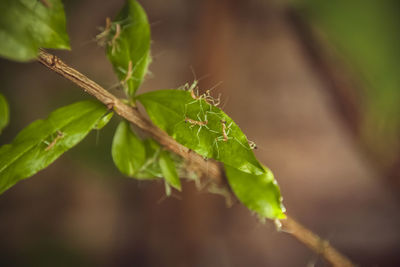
(43, 141)
(151, 168)
(194, 121)
(4, 113)
(367, 35)
(27, 25)
(260, 193)
(168, 170)
(142, 159)
(104, 121)
(171, 109)
(128, 151)
(128, 46)
(199, 125)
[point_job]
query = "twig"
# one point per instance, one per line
(315, 243)
(214, 171)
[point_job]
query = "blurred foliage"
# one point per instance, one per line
(4, 112)
(27, 25)
(367, 34)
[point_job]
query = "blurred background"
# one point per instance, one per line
(314, 83)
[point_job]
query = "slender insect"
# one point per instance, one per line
(225, 132)
(225, 135)
(53, 143)
(206, 97)
(252, 145)
(129, 73)
(210, 99)
(199, 123)
(113, 42)
(194, 122)
(101, 37)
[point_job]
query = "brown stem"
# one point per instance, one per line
(315, 243)
(209, 168)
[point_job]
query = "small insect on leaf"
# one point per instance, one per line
(128, 46)
(202, 127)
(53, 143)
(65, 127)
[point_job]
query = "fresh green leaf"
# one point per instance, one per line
(103, 121)
(176, 112)
(150, 169)
(27, 25)
(128, 150)
(128, 46)
(4, 113)
(168, 170)
(43, 141)
(260, 193)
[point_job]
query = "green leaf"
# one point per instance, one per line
(103, 121)
(4, 113)
(43, 141)
(175, 112)
(260, 193)
(168, 170)
(27, 25)
(128, 46)
(150, 169)
(128, 150)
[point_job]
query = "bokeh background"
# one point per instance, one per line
(314, 83)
